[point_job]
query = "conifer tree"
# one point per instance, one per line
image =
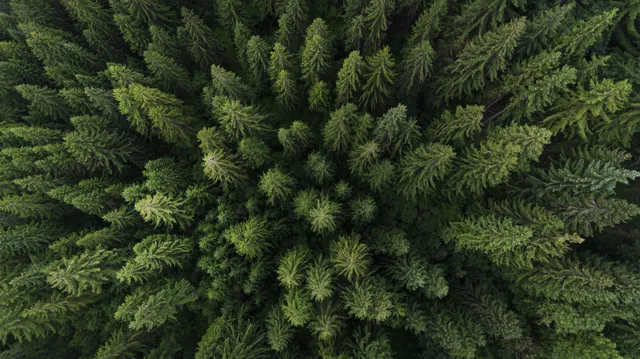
(316, 52)
(258, 58)
(379, 79)
(481, 60)
(199, 39)
(349, 78)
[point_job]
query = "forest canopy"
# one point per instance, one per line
(358, 179)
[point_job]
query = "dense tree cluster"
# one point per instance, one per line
(365, 179)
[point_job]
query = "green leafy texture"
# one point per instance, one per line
(227, 83)
(381, 176)
(304, 202)
(320, 168)
(31, 206)
(574, 114)
(164, 210)
(238, 120)
(27, 238)
(254, 152)
(349, 78)
(211, 139)
(286, 90)
(279, 331)
(292, 267)
(482, 15)
(354, 34)
(167, 72)
(44, 100)
(459, 127)
(198, 39)
(376, 22)
(536, 84)
(531, 140)
(420, 169)
(326, 324)
(165, 175)
(350, 257)
(544, 28)
(281, 59)
(389, 241)
(337, 131)
(316, 52)
(580, 177)
(319, 97)
(320, 279)
(258, 58)
(416, 66)
(158, 308)
(416, 274)
(297, 307)
(370, 298)
(249, 238)
(86, 272)
(592, 215)
(480, 60)
(585, 33)
(323, 215)
(370, 345)
(396, 131)
(363, 209)
(497, 320)
(233, 340)
(362, 156)
(488, 234)
(486, 166)
(428, 23)
(379, 79)
(276, 185)
(154, 254)
(296, 138)
(223, 168)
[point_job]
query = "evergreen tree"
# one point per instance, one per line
(379, 79)
(481, 60)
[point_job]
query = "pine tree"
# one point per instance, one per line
(292, 267)
(416, 66)
(486, 166)
(199, 39)
(281, 59)
(349, 78)
(420, 169)
(152, 255)
(585, 33)
(428, 23)
(286, 90)
(574, 114)
(167, 72)
(458, 127)
(544, 27)
(379, 79)
(276, 185)
(227, 83)
(249, 237)
(316, 52)
(238, 120)
(489, 235)
(376, 22)
(163, 210)
(481, 60)
(222, 167)
(296, 138)
(258, 58)
(83, 273)
(319, 97)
